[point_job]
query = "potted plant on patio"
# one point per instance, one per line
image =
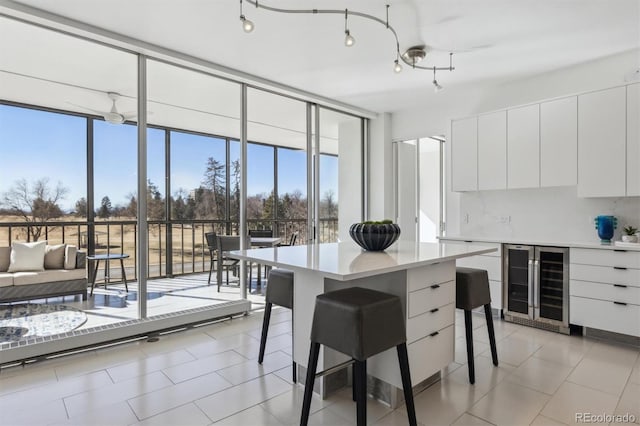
(374, 235)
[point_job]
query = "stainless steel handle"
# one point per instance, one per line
(530, 298)
(536, 283)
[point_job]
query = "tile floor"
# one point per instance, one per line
(209, 375)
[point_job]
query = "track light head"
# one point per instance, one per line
(247, 25)
(349, 40)
(436, 86)
(397, 67)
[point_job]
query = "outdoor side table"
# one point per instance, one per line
(107, 258)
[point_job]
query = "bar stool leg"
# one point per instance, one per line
(468, 328)
(314, 352)
(265, 329)
(361, 392)
(403, 359)
(492, 335)
(353, 383)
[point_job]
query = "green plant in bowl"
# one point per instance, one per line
(630, 234)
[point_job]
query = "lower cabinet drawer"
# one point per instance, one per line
(436, 319)
(429, 355)
(419, 278)
(605, 291)
(606, 274)
(492, 265)
(605, 315)
(432, 297)
(606, 257)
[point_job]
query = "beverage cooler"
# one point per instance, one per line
(536, 286)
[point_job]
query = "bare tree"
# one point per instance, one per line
(36, 203)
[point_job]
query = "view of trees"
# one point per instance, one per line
(39, 201)
(35, 203)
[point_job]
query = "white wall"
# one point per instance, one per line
(380, 169)
(555, 214)
(349, 176)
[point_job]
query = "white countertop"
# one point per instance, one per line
(346, 260)
(573, 244)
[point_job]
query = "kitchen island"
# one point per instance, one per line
(421, 274)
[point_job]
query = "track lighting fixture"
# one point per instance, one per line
(397, 67)
(436, 86)
(348, 38)
(247, 25)
(411, 57)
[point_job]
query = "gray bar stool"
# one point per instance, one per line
(279, 292)
(472, 291)
(358, 322)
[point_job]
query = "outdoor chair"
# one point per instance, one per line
(292, 240)
(259, 233)
(212, 242)
(227, 243)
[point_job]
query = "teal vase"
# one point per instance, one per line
(605, 226)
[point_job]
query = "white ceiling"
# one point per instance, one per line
(497, 40)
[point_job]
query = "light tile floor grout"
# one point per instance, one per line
(546, 378)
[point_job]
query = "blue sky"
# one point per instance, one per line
(38, 144)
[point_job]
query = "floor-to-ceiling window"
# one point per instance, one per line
(72, 119)
(340, 175)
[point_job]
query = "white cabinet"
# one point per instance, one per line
(633, 140)
(559, 142)
(491, 262)
(602, 143)
(464, 154)
(492, 151)
(523, 147)
(605, 290)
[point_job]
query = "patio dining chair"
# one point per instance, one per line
(212, 242)
(227, 243)
(292, 240)
(259, 233)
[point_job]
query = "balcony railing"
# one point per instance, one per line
(175, 247)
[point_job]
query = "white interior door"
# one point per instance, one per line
(429, 189)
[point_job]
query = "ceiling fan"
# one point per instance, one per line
(112, 116)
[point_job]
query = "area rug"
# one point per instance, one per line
(28, 320)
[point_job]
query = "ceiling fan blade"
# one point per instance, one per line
(89, 109)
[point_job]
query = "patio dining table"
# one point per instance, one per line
(257, 242)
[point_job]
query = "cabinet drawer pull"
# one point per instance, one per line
(620, 268)
(620, 303)
(620, 285)
(468, 241)
(435, 333)
(433, 311)
(435, 286)
(620, 251)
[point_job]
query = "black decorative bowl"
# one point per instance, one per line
(374, 237)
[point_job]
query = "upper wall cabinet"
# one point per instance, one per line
(633, 140)
(523, 147)
(492, 151)
(559, 142)
(464, 154)
(602, 143)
